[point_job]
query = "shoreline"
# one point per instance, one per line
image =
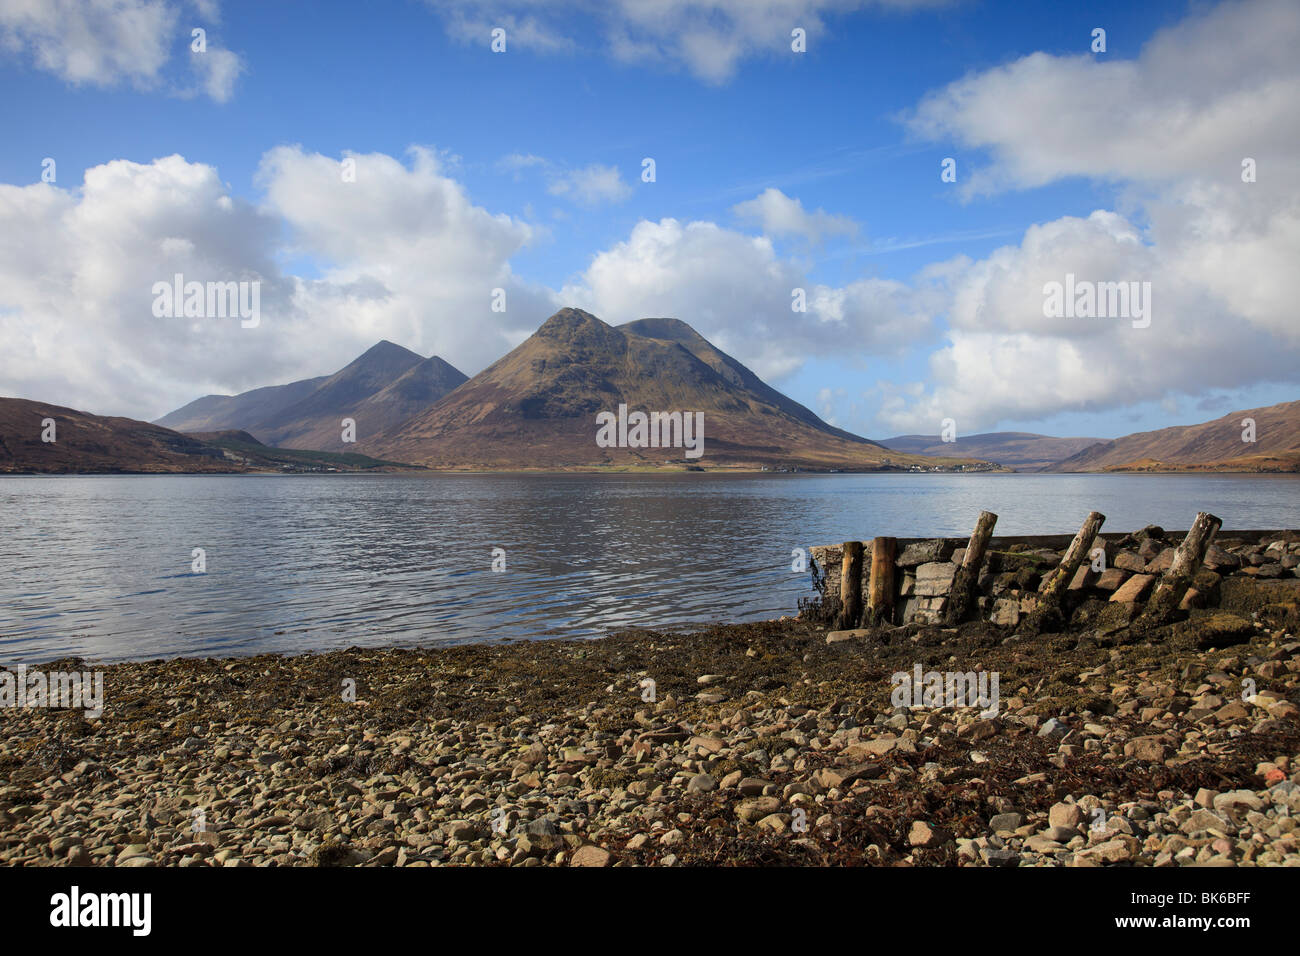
(766, 744)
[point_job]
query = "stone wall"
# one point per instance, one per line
(1015, 566)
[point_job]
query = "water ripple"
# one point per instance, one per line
(100, 566)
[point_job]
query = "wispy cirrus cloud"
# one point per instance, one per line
(593, 185)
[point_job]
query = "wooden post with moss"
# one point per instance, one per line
(851, 584)
(963, 584)
(1187, 561)
(880, 591)
(1052, 591)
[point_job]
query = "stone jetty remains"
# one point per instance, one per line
(1040, 581)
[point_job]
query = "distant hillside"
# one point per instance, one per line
(378, 390)
(1212, 446)
(95, 444)
(1023, 451)
(220, 412)
(86, 443)
(537, 406)
(315, 422)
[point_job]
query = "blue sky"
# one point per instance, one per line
(835, 129)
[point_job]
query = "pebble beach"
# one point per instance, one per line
(763, 744)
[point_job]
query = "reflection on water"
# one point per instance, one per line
(100, 566)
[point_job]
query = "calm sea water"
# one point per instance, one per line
(100, 567)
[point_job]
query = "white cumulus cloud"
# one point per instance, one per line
(403, 254)
(737, 292)
(1170, 130)
(106, 42)
(780, 215)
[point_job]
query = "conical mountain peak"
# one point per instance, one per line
(537, 406)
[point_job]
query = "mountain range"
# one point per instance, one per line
(1271, 443)
(380, 389)
(1023, 451)
(1253, 440)
(538, 407)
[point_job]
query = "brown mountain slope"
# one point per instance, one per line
(88, 443)
(735, 374)
(96, 444)
(1023, 451)
(1211, 446)
(537, 406)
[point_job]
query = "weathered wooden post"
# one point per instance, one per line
(963, 583)
(851, 584)
(1187, 561)
(1052, 590)
(880, 592)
